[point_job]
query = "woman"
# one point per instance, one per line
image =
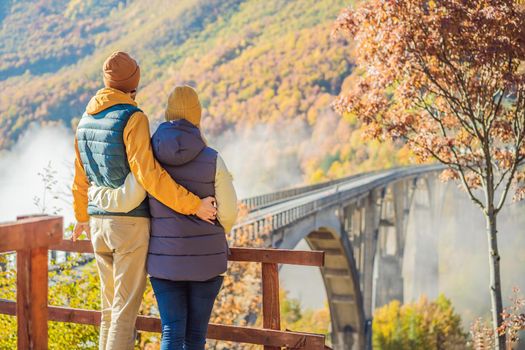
(187, 257)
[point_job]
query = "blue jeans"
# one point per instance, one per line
(185, 309)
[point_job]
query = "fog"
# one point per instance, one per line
(261, 159)
(20, 181)
(457, 234)
(269, 157)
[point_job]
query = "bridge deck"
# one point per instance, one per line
(354, 186)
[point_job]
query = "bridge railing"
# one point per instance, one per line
(266, 199)
(31, 238)
(260, 224)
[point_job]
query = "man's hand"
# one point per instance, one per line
(81, 227)
(207, 210)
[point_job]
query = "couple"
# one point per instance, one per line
(139, 200)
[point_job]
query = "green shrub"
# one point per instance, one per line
(75, 287)
(423, 324)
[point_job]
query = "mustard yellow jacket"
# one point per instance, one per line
(147, 171)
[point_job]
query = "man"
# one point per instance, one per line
(113, 139)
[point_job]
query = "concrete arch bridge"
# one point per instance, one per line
(361, 224)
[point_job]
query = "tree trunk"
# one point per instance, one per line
(495, 280)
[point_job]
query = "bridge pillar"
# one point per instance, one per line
(370, 215)
(371, 229)
(346, 340)
(423, 269)
(391, 247)
(390, 280)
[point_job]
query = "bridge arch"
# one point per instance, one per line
(341, 281)
(324, 231)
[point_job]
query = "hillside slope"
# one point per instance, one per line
(263, 69)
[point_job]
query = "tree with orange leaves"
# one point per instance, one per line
(447, 77)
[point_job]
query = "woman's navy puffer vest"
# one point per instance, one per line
(182, 247)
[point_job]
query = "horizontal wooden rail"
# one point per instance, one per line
(265, 337)
(34, 232)
(261, 255)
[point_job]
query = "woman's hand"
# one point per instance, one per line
(207, 210)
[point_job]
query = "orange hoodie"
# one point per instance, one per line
(142, 163)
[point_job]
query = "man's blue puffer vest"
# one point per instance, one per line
(103, 153)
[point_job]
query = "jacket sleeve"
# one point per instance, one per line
(122, 199)
(80, 189)
(153, 178)
(225, 196)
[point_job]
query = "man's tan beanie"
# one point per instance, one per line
(121, 72)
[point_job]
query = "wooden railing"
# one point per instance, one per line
(31, 238)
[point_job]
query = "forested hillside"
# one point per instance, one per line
(264, 69)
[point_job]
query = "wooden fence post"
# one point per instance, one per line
(270, 299)
(31, 237)
(31, 295)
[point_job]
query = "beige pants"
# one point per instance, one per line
(121, 245)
